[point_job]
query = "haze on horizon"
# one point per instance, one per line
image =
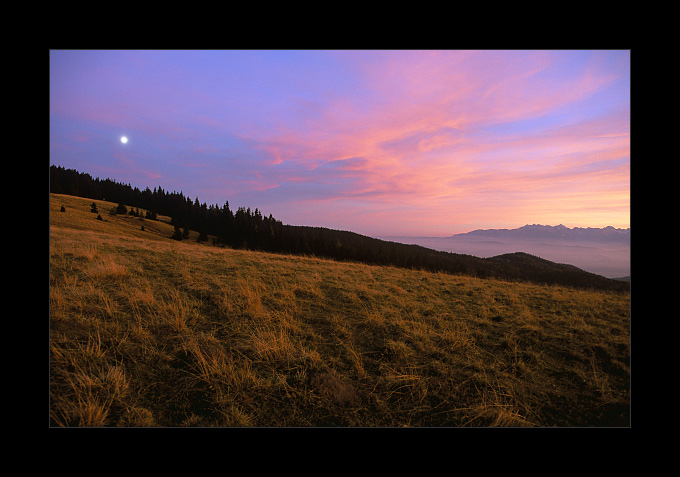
(382, 143)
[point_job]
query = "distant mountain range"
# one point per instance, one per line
(549, 232)
(604, 251)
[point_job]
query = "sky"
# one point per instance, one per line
(382, 143)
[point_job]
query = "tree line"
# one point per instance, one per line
(241, 229)
(252, 230)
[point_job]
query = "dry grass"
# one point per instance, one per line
(146, 331)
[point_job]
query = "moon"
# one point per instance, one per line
(123, 139)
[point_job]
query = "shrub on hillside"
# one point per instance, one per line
(177, 234)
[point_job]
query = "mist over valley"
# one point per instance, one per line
(604, 251)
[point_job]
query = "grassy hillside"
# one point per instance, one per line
(147, 331)
(251, 230)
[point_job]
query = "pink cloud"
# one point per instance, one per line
(129, 167)
(432, 163)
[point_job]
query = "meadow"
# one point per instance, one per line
(149, 331)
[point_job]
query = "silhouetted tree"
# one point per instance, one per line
(177, 234)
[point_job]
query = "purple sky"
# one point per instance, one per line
(421, 143)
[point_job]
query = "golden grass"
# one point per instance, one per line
(147, 331)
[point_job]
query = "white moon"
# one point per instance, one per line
(123, 139)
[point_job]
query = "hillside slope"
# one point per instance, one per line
(250, 230)
(148, 331)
